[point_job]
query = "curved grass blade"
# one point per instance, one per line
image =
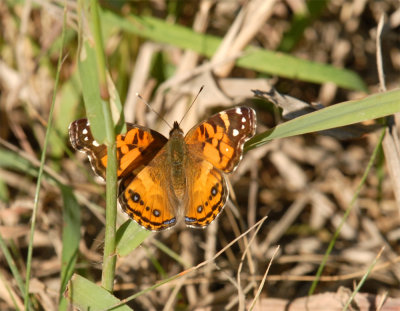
(350, 112)
(261, 60)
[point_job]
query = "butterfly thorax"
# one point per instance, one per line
(176, 154)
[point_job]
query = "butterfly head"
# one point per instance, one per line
(176, 130)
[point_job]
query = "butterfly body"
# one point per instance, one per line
(163, 179)
(176, 163)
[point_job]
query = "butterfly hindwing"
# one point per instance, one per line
(220, 139)
(146, 198)
(208, 193)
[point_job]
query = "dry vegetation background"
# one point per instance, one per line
(304, 183)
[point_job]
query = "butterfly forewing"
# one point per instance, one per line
(82, 139)
(220, 139)
(135, 148)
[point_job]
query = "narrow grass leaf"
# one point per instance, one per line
(12, 265)
(129, 236)
(371, 107)
(4, 194)
(70, 239)
(70, 97)
(362, 281)
(258, 59)
(91, 91)
(41, 170)
(11, 160)
(86, 295)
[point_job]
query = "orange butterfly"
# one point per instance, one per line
(163, 178)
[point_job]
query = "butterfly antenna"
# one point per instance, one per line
(191, 105)
(151, 108)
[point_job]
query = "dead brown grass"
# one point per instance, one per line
(304, 184)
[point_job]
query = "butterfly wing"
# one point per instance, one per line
(135, 148)
(220, 139)
(140, 154)
(207, 194)
(146, 196)
(215, 146)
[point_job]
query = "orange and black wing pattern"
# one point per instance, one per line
(208, 194)
(220, 139)
(215, 147)
(147, 197)
(135, 148)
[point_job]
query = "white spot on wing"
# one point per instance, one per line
(238, 111)
(235, 132)
(86, 138)
(95, 143)
(226, 149)
(243, 119)
(85, 131)
(242, 127)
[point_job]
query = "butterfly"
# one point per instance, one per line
(161, 179)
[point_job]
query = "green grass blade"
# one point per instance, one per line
(12, 266)
(4, 194)
(129, 236)
(69, 98)
(362, 281)
(371, 107)
(12, 160)
(40, 174)
(291, 67)
(261, 60)
(91, 91)
(70, 240)
(86, 295)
